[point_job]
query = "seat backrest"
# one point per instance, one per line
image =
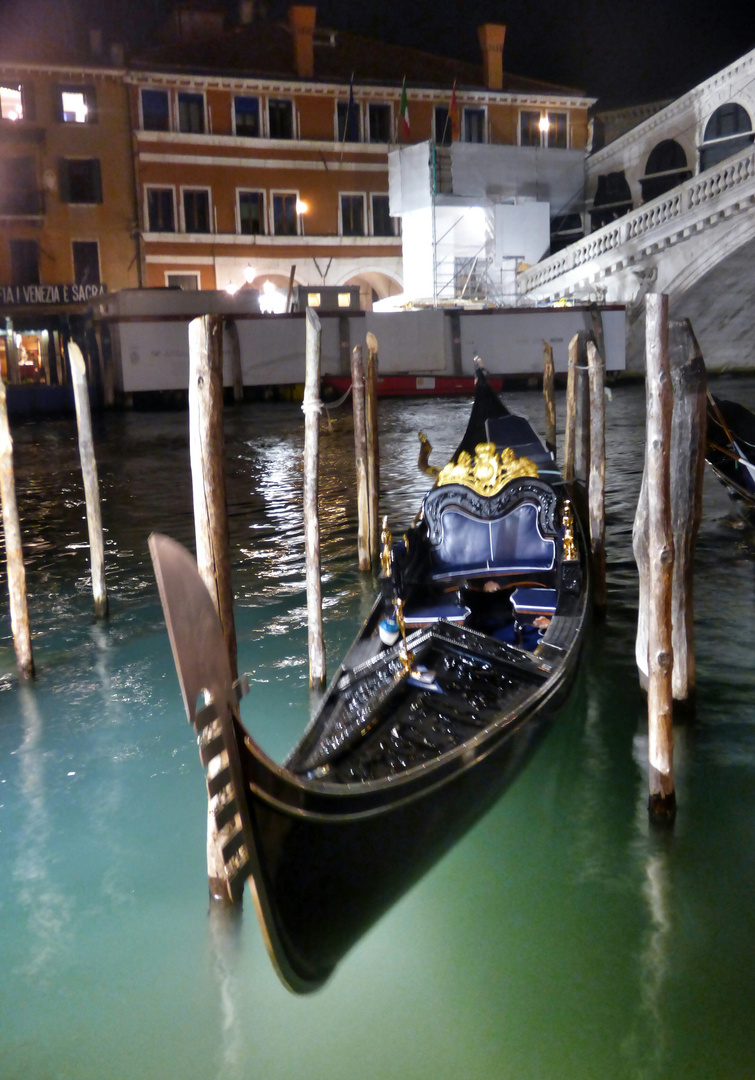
(508, 533)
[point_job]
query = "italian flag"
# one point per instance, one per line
(403, 113)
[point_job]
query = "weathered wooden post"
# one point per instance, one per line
(659, 396)
(19, 612)
(688, 439)
(571, 409)
(582, 416)
(210, 520)
(596, 487)
(687, 457)
(373, 443)
(231, 335)
(91, 483)
(311, 407)
(549, 393)
(360, 452)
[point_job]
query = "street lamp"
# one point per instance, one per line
(301, 210)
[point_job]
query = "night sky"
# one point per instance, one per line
(622, 52)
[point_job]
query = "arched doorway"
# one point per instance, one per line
(666, 168)
(373, 285)
(612, 200)
(728, 131)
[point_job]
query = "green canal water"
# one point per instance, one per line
(562, 939)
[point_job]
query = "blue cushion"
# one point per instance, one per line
(534, 601)
(428, 613)
(509, 544)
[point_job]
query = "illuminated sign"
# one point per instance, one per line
(49, 294)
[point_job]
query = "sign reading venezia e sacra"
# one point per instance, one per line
(49, 294)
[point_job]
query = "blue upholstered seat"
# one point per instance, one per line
(526, 601)
(509, 544)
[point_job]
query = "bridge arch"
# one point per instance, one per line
(665, 168)
(728, 131)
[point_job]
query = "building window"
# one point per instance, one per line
(19, 193)
(24, 262)
(251, 213)
(544, 129)
(442, 126)
(280, 117)
(474, 125)
(352, 215)
(246, 116)
(196, 207)
(728, 131)
(382, 222)
(188, 282)
(347, 114)
(80, 180)
(379, 120)
(284, 213)
(86, 262)
(76, 104)
(529, 128)
(161, 210)
(557, 135)
(191, 113)
(155, 110)
(11, 102)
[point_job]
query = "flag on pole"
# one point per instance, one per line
(403, 113)
(453, 115)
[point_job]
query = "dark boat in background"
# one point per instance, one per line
(471, 647)
(730, 450)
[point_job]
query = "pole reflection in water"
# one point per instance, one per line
(46, 908)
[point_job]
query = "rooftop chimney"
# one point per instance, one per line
(301, 21)
(491, 43)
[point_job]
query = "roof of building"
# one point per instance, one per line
(265, 49)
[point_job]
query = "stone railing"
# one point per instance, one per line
(684, 206)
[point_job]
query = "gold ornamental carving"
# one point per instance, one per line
(486, 471)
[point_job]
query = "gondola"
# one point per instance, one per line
(471, 647)
(730, 451)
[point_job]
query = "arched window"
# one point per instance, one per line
(612, 200)
(666, 167)
(728, 131)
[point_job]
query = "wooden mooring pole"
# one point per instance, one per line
(549, 393)
(360, 453)
(686, 475)
(571, 409)
(373, 443)
(596, 485)
(311, 407)
(660, 561)
(211, 521)
(91, 482)
(19, 612)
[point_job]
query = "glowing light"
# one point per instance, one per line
(74, 107)
(232, 288)
(544, 124)
(301, 207)
(249, 273)
(271, 300)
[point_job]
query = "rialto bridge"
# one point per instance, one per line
(691, 168)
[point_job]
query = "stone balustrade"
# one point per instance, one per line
(727, 188)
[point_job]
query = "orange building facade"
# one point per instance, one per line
(225, 156)
(67, 207)
(282, 178)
